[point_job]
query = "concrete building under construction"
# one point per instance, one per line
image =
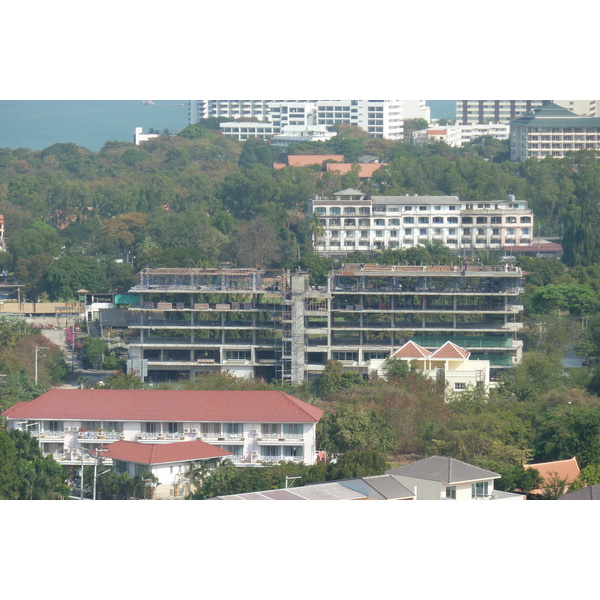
(253, 323)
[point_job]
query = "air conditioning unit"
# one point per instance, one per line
(254, 453)
(194, 431)
(67, 429)
(186, 431)
(254, 431)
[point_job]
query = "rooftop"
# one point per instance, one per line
(444, 470)
(153, 454)
(167, 405)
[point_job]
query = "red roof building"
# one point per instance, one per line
(255, 427)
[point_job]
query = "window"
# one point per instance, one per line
(451, 492)
(335, 210)
(424, 220)
(238, 354)
(409, 220)
(438, 219)
(460, 385)
(479, 490)
(292, 430)
(380, 222)
(348, 356)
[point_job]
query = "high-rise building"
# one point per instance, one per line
(380, 118)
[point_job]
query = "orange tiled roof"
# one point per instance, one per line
(364, 169)
(304, 160)
(565, 469)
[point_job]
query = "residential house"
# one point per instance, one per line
(255, 427)
(443, 478)
(169, 463)
(450, 364)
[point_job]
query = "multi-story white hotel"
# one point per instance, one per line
(354, 221)
(552, 131)
(504, 111)
(380, 118)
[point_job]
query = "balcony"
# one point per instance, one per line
(285, 437)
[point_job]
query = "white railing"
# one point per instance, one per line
(52, 435)
(267, 459)
(222, 437)
(282, 436)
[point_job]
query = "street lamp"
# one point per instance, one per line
(37, 348)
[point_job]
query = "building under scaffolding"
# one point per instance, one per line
(274, 325)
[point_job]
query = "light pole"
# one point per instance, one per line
(37, 348)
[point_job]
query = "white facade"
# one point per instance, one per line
(458, 135)
(380, 118)
(139, 137)
(449, 364)
(249, 443)
(352, 221)
(416, 109)
(242, 130)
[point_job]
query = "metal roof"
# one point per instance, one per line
(444, 470)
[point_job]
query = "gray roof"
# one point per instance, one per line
(444, 470)
(553, 115)
(321, 491)
(388, 487)
(591, 492)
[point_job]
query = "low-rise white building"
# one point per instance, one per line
(169, 463)
(459, 135)
(450, 364)
(256, 427)
(443, 478)
(139, 137)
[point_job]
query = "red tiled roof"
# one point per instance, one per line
(153, 454)
(411, 350)
(167, 405)
(364, 169)
(449, 351)
(304, 160)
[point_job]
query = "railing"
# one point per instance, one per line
(269, 459)
(222, 437)
(284, 436)
(145, 436)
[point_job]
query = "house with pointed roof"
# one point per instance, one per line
(255, 427)
(444, 478)
(449, 363)
(552, 130)
(169, 463)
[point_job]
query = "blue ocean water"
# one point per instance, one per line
(442, 109)
(37, 124)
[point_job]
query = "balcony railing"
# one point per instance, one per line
(282, 437)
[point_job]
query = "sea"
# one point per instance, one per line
(37, 124)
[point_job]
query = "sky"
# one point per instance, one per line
(187, 49)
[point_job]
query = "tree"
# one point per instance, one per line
(71, 273)
(334, 378)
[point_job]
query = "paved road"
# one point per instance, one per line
(80, 375)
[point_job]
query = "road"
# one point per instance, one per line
(58, 336)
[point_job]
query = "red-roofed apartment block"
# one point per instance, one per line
(255, 427)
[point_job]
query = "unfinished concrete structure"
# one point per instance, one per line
(276, 326)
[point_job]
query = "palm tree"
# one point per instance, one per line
(489, 256)
(195, 475)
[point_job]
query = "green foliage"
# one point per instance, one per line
(71, 273)
(24, 473)
(334, 378)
